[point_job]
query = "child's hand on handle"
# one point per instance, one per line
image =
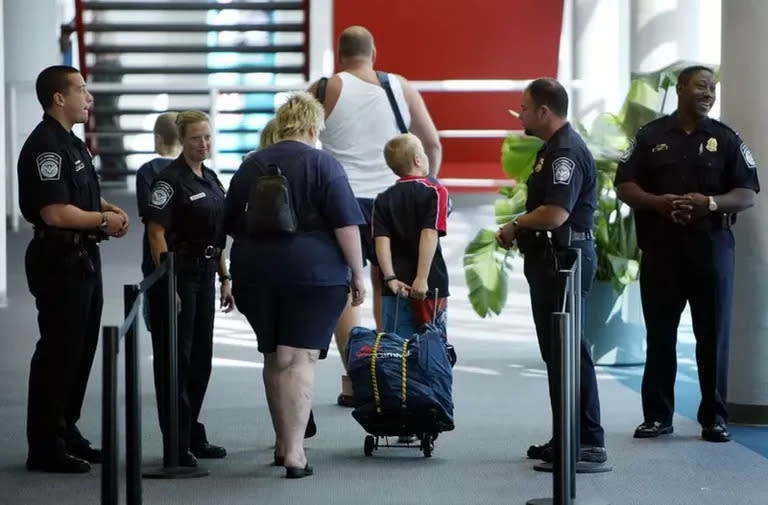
(398, 287)
(419, 288)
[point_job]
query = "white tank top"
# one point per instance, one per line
(357, 129)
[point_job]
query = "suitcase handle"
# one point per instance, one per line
(397, 307)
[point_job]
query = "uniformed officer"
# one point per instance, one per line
(185, 215)
(59, 194)
(686, 176)
(562, 198)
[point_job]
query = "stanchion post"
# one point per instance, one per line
(172, 458)
(132, 403)
(109, 417)
(576, 339)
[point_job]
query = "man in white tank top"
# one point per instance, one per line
(359, 121)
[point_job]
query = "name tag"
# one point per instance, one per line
(196, 197)
(79, 165)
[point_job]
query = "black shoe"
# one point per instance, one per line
(292, 472)
(86, 452)
(209, 451)
(311, 429)
(187, 459)
(586, 454)
(278, 460)
(535, 451)
(64, 463)
(718, 432)
(345, 400)
(652, 429)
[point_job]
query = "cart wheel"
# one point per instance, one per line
(368, 446)
(427, 445)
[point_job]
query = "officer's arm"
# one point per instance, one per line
(422, 126)
(64, 215)
(735, 200)
(742, 177)
(157, 244)
(543, 217)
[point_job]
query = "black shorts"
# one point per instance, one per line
(296, 316)
(366, 233)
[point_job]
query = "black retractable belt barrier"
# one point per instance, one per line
(566, 367)
(111, 345)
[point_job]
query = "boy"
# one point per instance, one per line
(407, 220)
(168, 147)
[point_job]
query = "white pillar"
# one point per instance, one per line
(321, 55)
(599, 35)
(743, 105)
(4, 224)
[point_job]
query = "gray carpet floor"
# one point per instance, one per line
(500, 399)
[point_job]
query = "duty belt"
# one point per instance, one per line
(69, 236)
(198, 251)
(576, 236)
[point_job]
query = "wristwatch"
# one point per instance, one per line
(104, 221)
(712, 204)
(390, 278)
(226, 277)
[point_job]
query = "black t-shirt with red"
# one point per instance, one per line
(401, 213)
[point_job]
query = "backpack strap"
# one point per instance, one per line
(384, 81)
(322, 84)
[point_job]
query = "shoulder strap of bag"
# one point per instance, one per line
(384, 81)
(322, 84)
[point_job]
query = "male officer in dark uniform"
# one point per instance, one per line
(59, 194)
(562, 198)
(686, 176)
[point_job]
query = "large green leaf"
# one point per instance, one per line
(485, 273)
(640, 107)
(518, 154)
(507, 209)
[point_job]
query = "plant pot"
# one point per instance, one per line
(614, 325)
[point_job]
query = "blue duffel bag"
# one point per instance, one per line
(405, 382)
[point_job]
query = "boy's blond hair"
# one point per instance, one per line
(299, 114)
(189, 117)
(165, 128)
(268, 135)
(400, 151)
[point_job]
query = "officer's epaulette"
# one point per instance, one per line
(652, 124)
(720, 123)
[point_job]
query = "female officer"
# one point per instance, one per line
(185, 215)
(293, 287)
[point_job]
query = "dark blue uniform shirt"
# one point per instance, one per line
(144, 178)
(190, 208)
(663, 159)
(565, 175)
(323, 201)
(55, 167)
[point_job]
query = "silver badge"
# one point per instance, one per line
(747, 154)
(630, 149)
(562, 170)
(49, 166)
(162, 192)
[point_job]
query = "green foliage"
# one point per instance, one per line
(618, 256)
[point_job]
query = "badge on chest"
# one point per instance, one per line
(198, 196)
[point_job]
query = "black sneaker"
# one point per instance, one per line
(586, 454)
(63, 463)
(718, 432)
(652, 429)
(536, 451)
(208, 451)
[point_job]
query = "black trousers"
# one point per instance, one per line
(546, 288)
(697, 269)
(195, 349)
(66, 282)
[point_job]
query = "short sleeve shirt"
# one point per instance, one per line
(662, 159)
(401, 213)
(55, 167)
(189, 207)
(564, 174)
(144, 178)
(323, 201)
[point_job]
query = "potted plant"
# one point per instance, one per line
(614, 319)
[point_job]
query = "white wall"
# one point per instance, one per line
(4, 224)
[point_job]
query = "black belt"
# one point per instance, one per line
(69, 236)
(198, 251)
(576, 236)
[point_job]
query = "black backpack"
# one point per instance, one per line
(270, 206)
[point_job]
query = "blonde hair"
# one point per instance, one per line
(269, 134)
(400, 151)
(165, 128)
(189, 117)
(298, 115)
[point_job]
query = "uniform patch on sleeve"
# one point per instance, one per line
(162, 192)
(562, 170)
(630, 149)
(49, 166)
(747, 154)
